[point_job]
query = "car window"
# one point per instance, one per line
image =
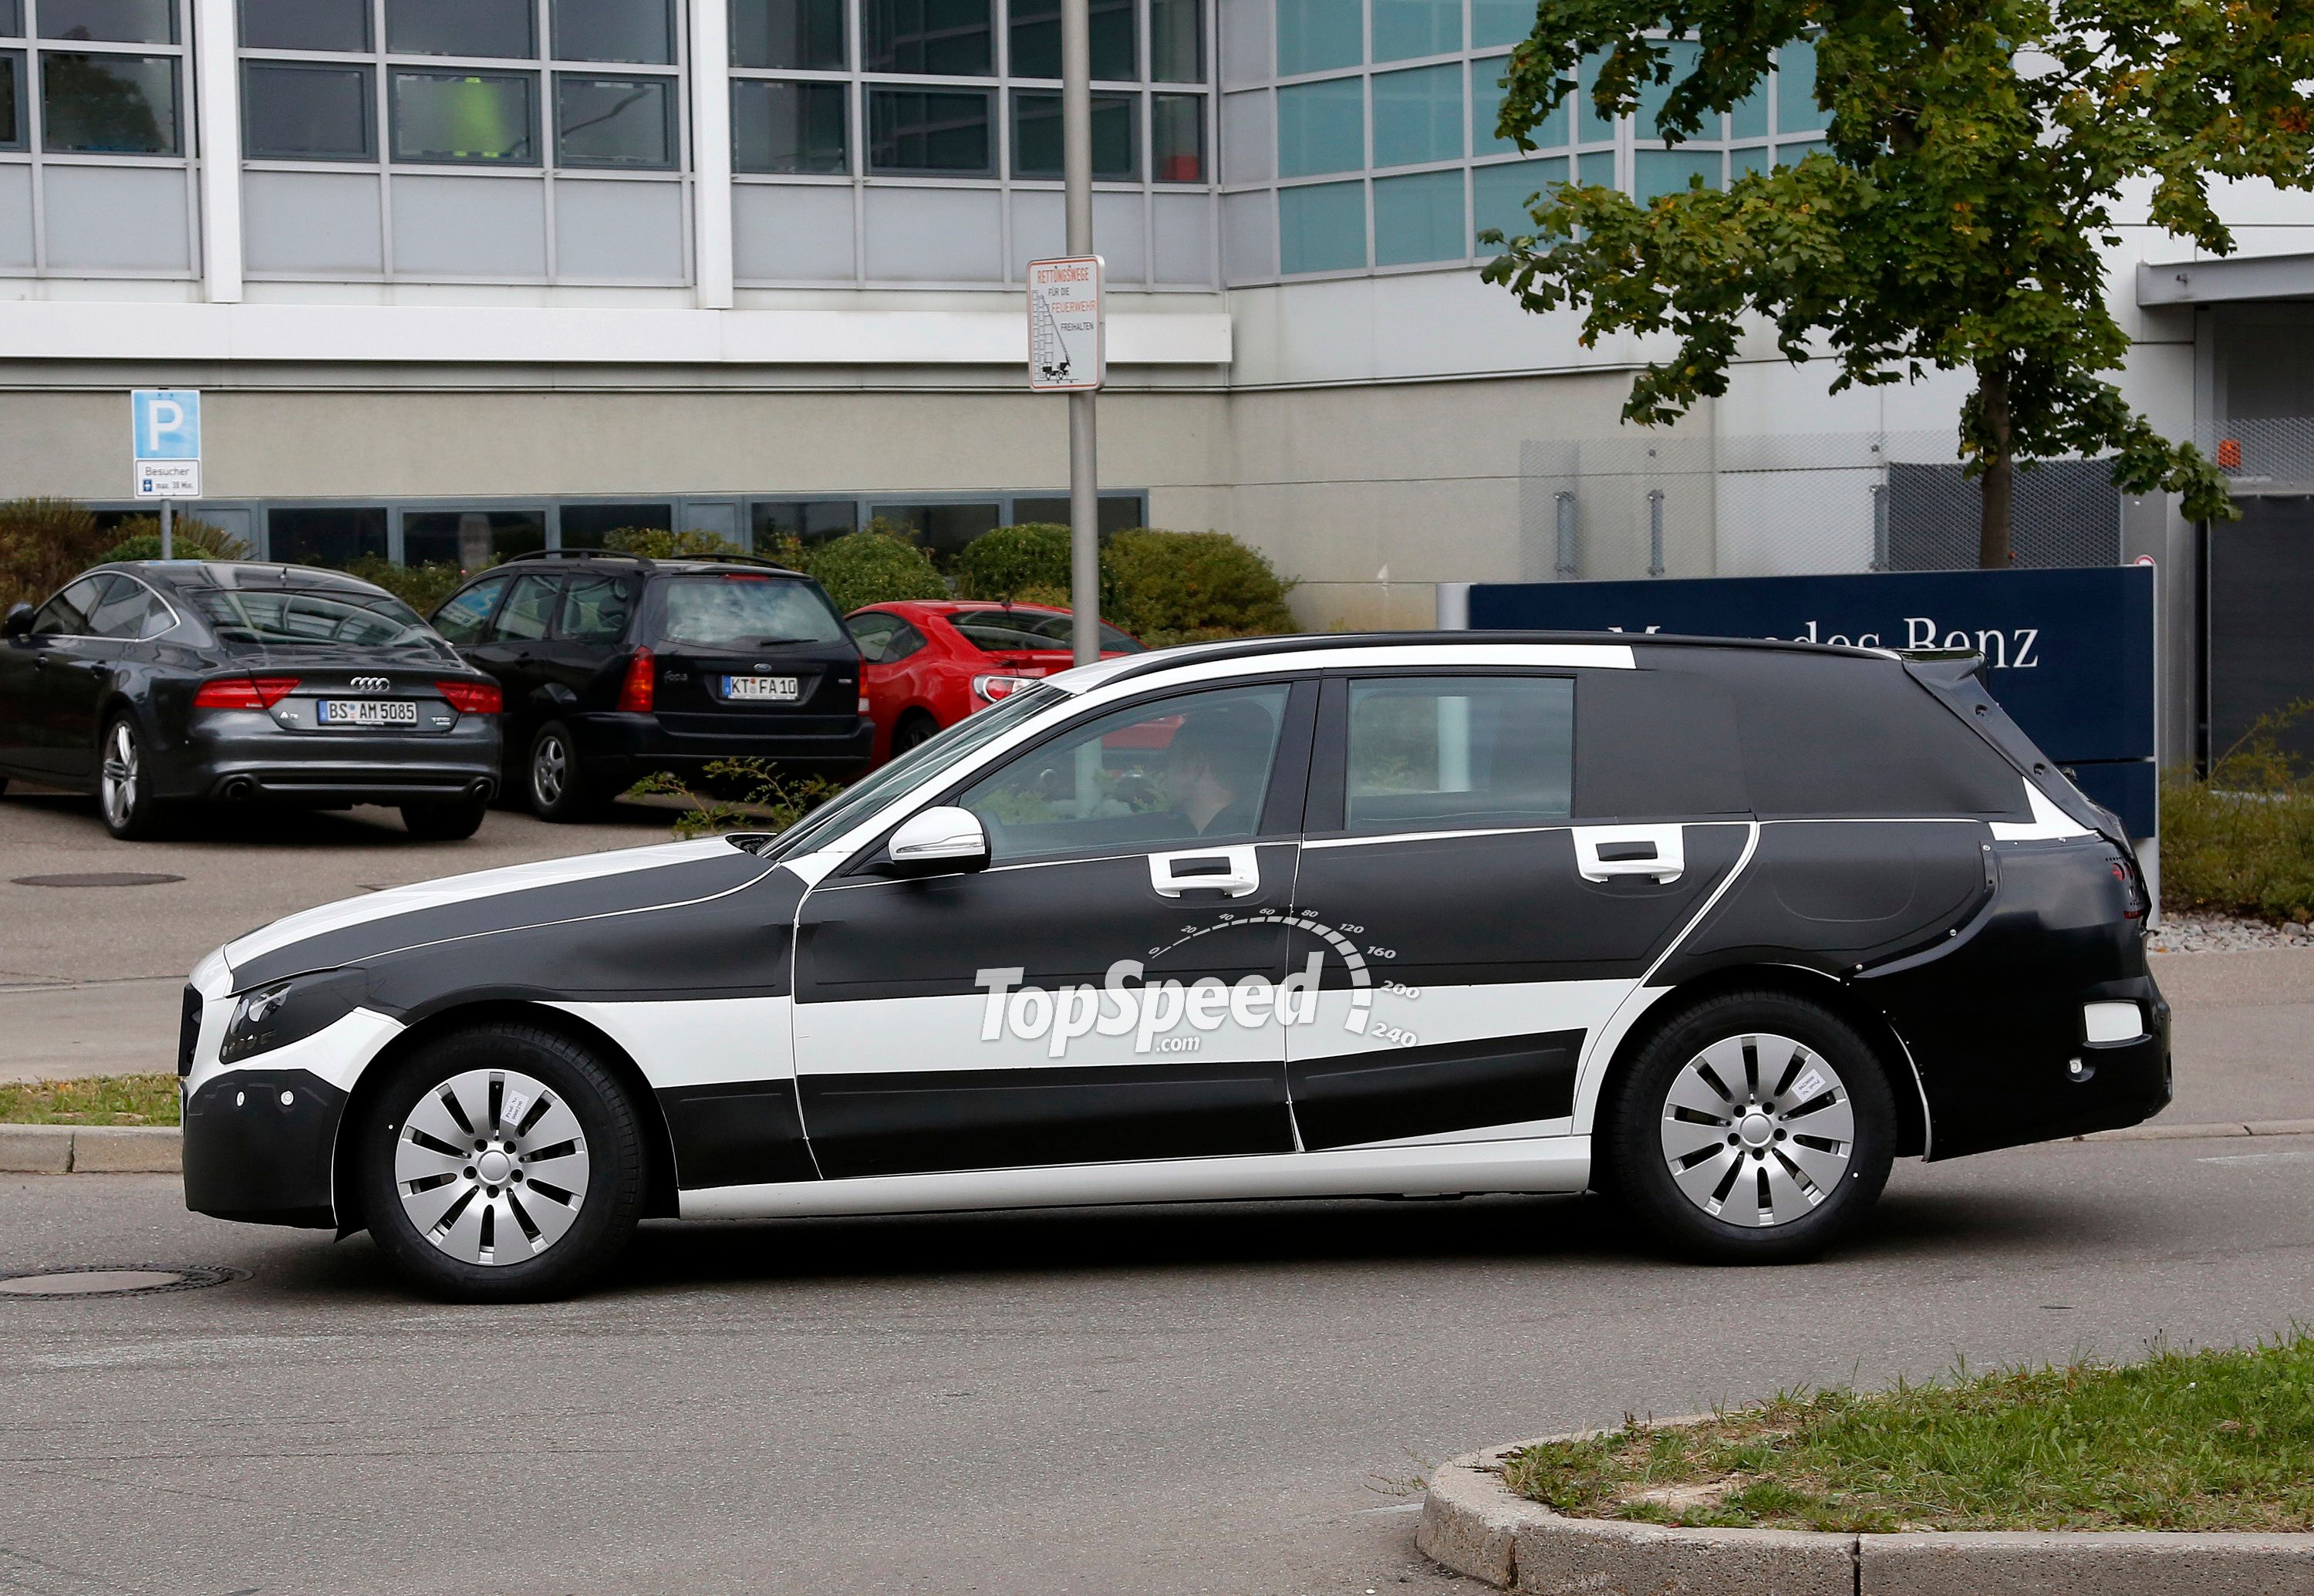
(994, 631)
(747, 610)
(66, 614)
(463, 617)
(883, 637)
(1185, 769)
(276, 616)
(528, 610)
(1432, 752)
(595, 609)
(127, 611)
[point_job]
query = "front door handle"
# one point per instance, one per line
(1234, 872)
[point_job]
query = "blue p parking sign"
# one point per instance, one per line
(164, 427)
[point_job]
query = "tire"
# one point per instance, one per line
(1705, 1118)
(552, 781)
(565, 1216)
(452, 821)
(124, 788)
(915, 727)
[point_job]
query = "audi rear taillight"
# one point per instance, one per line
(642, 681)
(244, 692)
(472, 698)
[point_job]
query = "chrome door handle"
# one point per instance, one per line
(1231, 871)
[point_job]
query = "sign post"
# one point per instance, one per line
(164, 428)
(1080, 376)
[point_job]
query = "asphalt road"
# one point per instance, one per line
(1186, 1400)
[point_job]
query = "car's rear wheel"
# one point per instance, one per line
(914, 727)
(557, 789)
(501, 1163)
(124, 784)
(451, 822)
(1755, 1128)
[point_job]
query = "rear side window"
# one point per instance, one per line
(463, 618)
(998, 632)
(883, 637)
(66, 614)
(128, 611)
(529, 611)
(1438, 752)
(595, 609)
(742, 610)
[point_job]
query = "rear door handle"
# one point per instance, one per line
(1655, 852)
(1233, 872)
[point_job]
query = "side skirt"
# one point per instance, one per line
(1534, 1164)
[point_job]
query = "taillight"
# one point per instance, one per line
(244, 692)
(2132, 891)
(991, 688)
(472, 698)
(642, 681)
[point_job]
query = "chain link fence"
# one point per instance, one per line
(1671, 505)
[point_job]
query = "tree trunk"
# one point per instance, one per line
(1994, 548)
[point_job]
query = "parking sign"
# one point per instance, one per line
(165, 427)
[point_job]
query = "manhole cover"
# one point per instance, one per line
(99, 879)
(114, 1280)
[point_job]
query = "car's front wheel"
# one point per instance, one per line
(501, 1163)
(1755, 1128)
(124, 783)
(557, 789)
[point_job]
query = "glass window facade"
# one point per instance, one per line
(780, 124)
(621, 122)
(795, 35)
(640, 31)
(306, 110)
(1036, 136)
(504, 29)
(110, 104)
(111, 22)
(305, 24)
(1417, 116)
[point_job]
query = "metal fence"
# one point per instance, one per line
(1789, 504)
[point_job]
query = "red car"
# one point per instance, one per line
(931, 662)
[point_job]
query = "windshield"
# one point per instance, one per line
(291, 615)
(919, 764)
(745, 610)
(1003, 632)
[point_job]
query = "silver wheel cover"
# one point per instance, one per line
(1758, 1129)
(116, 779)
(549, 767)
(491, 1167)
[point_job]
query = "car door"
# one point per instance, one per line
(1113, 986)
(512, 647)
(1478, 936)
(68, 664)
(597, 607)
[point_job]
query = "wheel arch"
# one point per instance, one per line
(658, 1182)
(1914, 1130)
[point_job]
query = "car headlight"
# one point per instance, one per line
(281, 1012)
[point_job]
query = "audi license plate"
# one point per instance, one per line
(768, 690)
(367, 711)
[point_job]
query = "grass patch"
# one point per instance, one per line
(2184, 1440)
(2242, 842)
(100, 1100)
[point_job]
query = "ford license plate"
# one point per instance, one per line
(763, 690)
(367, 711)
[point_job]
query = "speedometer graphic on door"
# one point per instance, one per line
(1358, 1019)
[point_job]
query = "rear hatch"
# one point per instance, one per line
(339, 661)
(745, 651)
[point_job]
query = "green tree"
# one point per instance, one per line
(1977, 149)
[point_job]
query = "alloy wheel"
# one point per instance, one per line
(116, 779)
(491, 1166)
(1758, 1129)
(550, 769)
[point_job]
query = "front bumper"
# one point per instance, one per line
(261, 1146)
(614, 747)
(243, 755)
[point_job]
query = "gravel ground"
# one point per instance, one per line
(2214, 933)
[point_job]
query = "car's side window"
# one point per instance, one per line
(128, 611)
(528, 612)
(872, 635)
(66, 614)
(595, 609)
(463, 617)
(1443, 752)
(1175, 772)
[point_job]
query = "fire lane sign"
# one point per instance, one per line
(165, 439)
(1068, 352)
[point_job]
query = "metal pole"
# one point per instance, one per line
(1084, 472)
(168, 528)
(1655, 532)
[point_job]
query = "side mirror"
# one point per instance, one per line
(939, 840)
(18, 621)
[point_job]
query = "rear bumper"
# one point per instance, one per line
(618, 748)
(261, 1146)
(230, 754)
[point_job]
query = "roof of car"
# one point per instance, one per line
(678, 564)
(241, 573)
(954, 606)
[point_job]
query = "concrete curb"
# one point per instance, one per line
(91, 1149)
(1472, 1523)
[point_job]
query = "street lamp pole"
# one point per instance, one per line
(1084, 473)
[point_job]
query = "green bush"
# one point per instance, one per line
(874, 567)
(188, 539)
(422, 587)
(1009, 561)
(1167, 587)
(655, 542)
(44, 544)
(2242, 840)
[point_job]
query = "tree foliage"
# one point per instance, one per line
(1982, 152)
